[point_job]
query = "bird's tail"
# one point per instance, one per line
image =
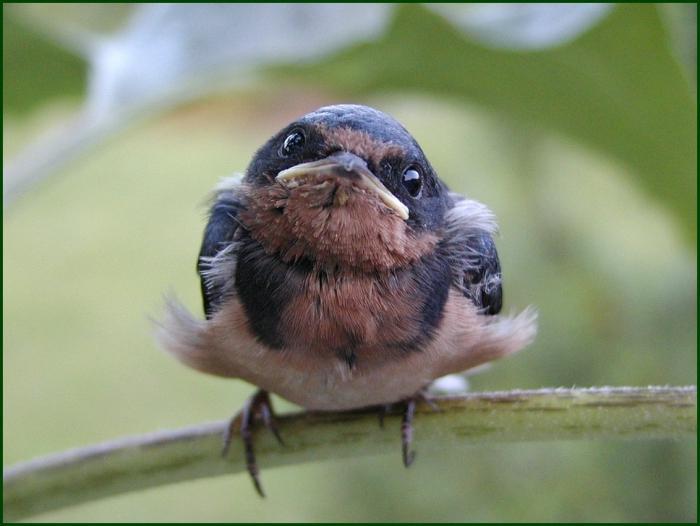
(189, 339)
(504, 335)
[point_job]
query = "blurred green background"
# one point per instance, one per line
(584, 147)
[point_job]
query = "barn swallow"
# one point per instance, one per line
(340, 273)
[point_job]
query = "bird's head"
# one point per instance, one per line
(345, 186)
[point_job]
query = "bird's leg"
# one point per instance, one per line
(257, 406)
(407, 432)
(407, 424)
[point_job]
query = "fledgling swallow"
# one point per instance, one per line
(341, 273)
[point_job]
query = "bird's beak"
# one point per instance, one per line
(348, 165)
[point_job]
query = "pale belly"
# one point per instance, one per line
(319, 380)
(329, 384)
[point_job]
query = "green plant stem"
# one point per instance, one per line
(129, 464)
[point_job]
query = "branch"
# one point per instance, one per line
(129, 464)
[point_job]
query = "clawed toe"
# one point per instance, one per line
(408, 455)
(258, 406)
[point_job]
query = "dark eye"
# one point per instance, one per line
(293, 143)
(413, 181)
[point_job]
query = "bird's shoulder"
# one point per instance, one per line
(218, 253)
(468, 244)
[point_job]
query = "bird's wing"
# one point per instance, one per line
(470, 226)
(216, 264)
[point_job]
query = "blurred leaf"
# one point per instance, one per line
(81, 18)
(35, 69)
(525, 26)
(616, 88)
(682, 21)
(177, 51)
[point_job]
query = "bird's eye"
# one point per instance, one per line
(293, 143)
(413, 181)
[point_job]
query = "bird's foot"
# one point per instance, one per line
(407, 422)
(257, 407)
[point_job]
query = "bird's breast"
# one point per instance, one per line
(348, 314)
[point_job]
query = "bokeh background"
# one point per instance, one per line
(576, 124)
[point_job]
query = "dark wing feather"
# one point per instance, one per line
(482, 274)
(216, 251)
(472, 254)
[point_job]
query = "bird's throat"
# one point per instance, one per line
(333, 224)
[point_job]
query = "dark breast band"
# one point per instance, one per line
(298, 304)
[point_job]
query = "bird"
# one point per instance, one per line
(340, 272)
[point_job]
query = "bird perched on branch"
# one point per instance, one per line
(341, 273)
